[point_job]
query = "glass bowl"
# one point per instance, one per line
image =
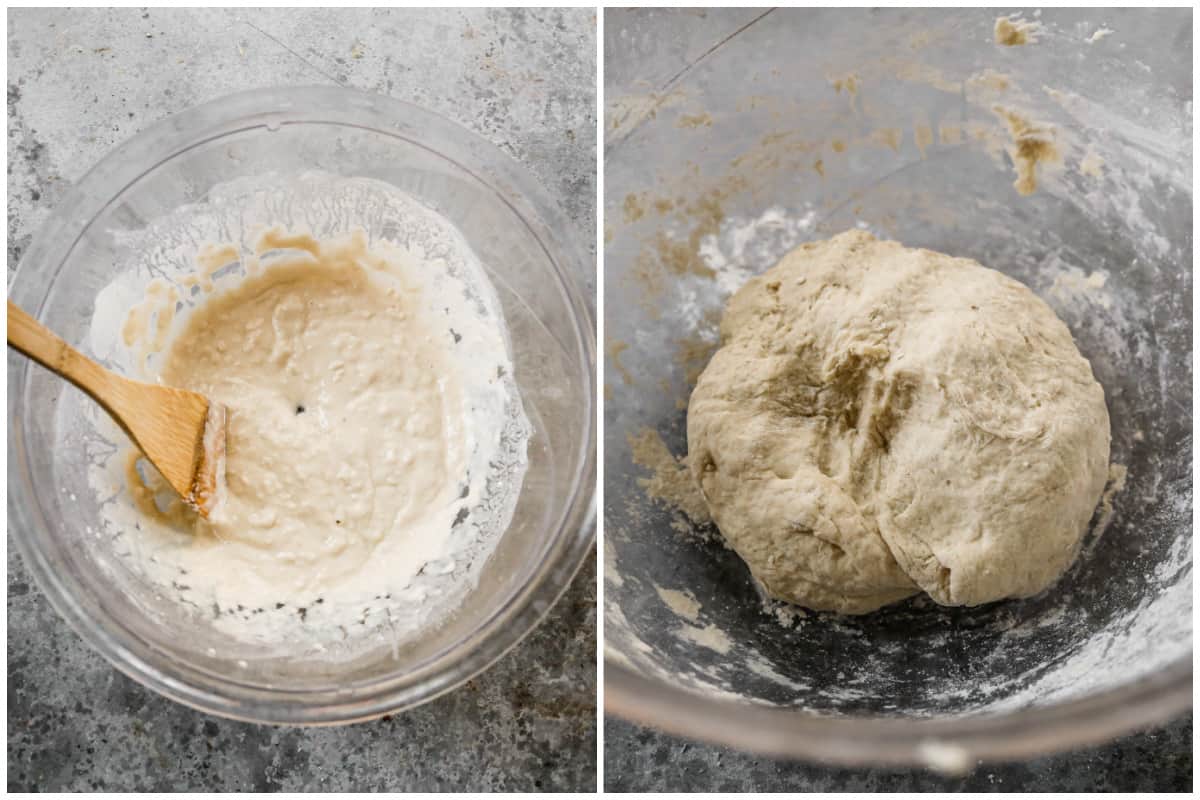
(529, 251)
(808, 122)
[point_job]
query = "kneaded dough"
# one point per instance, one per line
(881, 421)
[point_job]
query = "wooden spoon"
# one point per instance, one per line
(180, 432)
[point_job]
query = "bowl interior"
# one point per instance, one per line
(813, 121)
(327, 167)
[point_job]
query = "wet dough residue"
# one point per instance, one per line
(1117, 475)
(148, 323)
(692, 354)
(212, 259)
(701, 120)
(615, 349)
(666, 255)
(670, 481)
(888, 137)
(627, 112)
(848, 82)
(632, 208)
(989, 80)
(949, 133)
(1032, 144)
(923, 136)
(1011, 32)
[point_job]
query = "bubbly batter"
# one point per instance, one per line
(359, 436)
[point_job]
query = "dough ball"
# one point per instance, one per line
(881, 420)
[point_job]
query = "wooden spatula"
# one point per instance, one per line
(180, 432)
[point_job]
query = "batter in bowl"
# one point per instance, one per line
(366, 412)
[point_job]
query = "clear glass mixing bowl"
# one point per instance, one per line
(529, 251)
(734, 135)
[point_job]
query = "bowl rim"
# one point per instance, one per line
(571, 539)
(950, 745)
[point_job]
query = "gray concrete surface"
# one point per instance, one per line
(643, 760)
(81, 81)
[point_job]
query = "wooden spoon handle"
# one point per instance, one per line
(28, 336)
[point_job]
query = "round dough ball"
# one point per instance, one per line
(881, 420)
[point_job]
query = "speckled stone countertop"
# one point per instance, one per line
(80, 82)
(644, 760)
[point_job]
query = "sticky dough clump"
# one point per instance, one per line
(881, 421)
